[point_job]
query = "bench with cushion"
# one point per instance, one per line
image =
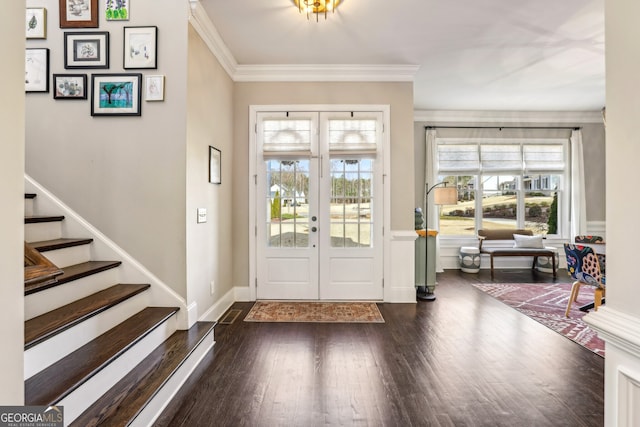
(523, 243)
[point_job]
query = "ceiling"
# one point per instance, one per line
(543, 55)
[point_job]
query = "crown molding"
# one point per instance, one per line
(290, 72)
(201, 22)
(443, 116)
(325, 73)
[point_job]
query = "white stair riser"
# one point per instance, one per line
(81, 398)
(50, 351)
(154, 408)
(52, 298)
(69, 256)
(28, 207)
(39, 231)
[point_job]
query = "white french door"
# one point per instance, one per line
(319, 206)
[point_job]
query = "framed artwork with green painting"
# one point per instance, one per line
(116, 10)
(116, 94)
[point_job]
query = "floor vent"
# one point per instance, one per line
(230, 317)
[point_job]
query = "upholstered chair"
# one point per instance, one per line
(583, 266)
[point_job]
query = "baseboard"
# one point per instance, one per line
(242, 293)
(220, 307)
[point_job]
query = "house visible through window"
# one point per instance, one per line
(503, 184)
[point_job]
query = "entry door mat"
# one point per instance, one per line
(546, 303)
(318, 312)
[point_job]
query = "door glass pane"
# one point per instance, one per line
(287, 204)
(499, 201)
(351, 202)
(541, 203)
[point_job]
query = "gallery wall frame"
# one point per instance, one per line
(70, 86)
(154, 87)
(116, 94)
(116, 10)
(215, 165)
(36, 23)
(140, 47)
(36, 72)
(78, 13)
(86, 49)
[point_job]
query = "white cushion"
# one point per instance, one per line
(523, 241)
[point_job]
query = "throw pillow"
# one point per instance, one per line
(523, 241)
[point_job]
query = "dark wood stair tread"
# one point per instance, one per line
(29, 195)
(50, 245)
(58, 380)
(74, 272)
(124, 401)
(52, 323)
(43, 218)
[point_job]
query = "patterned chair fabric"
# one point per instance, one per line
(589, 239)
(583, 266)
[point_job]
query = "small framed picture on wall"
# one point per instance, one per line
(116, 10)
(78, 13)
(36, 71)
(154, 88)
(70, 86)
(140, 46)
(215, 165)
(36, 25)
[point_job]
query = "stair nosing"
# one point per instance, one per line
(81, 315)
(95, 267)
(51, 245)
(30, 195)
(35, 219)
(33, 383)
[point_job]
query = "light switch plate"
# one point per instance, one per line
(202, 215)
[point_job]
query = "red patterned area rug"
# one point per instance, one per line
(546, 303)
(321, 312)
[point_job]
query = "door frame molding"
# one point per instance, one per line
(385, 109)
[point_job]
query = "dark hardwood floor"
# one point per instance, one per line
(465, 359)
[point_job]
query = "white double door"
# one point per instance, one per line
(319, 206)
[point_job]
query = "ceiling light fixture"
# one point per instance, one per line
(316, 6)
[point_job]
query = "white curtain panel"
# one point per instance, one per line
(430, 179)
(578, 198)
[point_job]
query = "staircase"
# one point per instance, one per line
(110, 349)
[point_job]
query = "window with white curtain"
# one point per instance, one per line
(503, 183)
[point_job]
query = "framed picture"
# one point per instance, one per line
(154, 88)
(78, 13)
(215, 164)
(86, 50)
(140, 47)
(36, 24)
(116, 10)
(115, 94)
(70, 86)
(36, 71)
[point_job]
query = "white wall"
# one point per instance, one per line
(619, 321)
(210, 123)
(398, 95)
(125, 175)
(12, 34)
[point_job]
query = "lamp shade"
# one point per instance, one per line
(445, 196)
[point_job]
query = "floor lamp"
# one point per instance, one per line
(441, 196)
